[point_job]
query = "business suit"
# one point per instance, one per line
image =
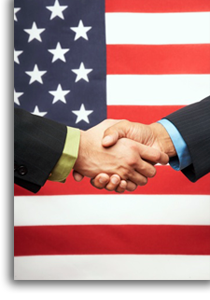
(193, 122)
(38, 144)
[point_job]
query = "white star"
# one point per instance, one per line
(57, 10)
(59, 94)
(16, 9)
(16, 54)
(82, 73)
(36, 75)
(34, 32)
(58, 53)
(81, 31)
(36, 112)
(82, 114)
(16, 96)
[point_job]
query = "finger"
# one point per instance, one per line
(137, 178)
(77, 176)
(164, 159)
(114, 133)
(100, 181)
(113, 183)
(126, 185)
(152, 154)
(121, 187)
(146, 169)
(131, 186)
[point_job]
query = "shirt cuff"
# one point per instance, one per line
(183, 158)
(68, 157)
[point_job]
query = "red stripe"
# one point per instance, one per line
(157, 6)
(111, 239)
(158, 59)
(174, 183)
(140, 113)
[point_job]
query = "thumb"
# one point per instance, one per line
(113, 134)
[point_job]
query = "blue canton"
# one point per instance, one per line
(60, 60)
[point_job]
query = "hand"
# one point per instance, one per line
(123, 159)
(153, 135)
(93, 159)
(103, 180)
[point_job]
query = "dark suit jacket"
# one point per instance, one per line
(193, 122)
(38, 145)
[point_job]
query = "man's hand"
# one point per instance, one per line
(153, 135)
(127, 159)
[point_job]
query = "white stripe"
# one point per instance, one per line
(112, 209)
(158, 28)
(156, 89)
(112, 267)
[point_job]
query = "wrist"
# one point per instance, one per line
(163, 139)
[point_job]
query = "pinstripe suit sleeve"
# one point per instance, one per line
(193, 122)
(38, 145)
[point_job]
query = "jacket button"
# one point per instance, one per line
(22, 170)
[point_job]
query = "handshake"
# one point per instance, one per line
(120, 155)
(116, 155)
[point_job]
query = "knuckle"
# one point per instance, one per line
(132, 160)
(133, 147)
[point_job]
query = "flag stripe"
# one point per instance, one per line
(158, 59)
(156, 89)
(157, 6)
(149, 52)
(141, 113)
(174, 183)
(112, 209)
(112, 267)
(159, 28)
(111, 239)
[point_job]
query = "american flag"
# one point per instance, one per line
(79, 62)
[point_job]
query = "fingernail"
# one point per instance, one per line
(123, 184)
(102, 180)
(114, 180)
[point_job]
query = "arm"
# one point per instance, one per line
(38, 145)
(193, 122)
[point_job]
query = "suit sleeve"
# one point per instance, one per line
(38, 145)
(193, 122)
